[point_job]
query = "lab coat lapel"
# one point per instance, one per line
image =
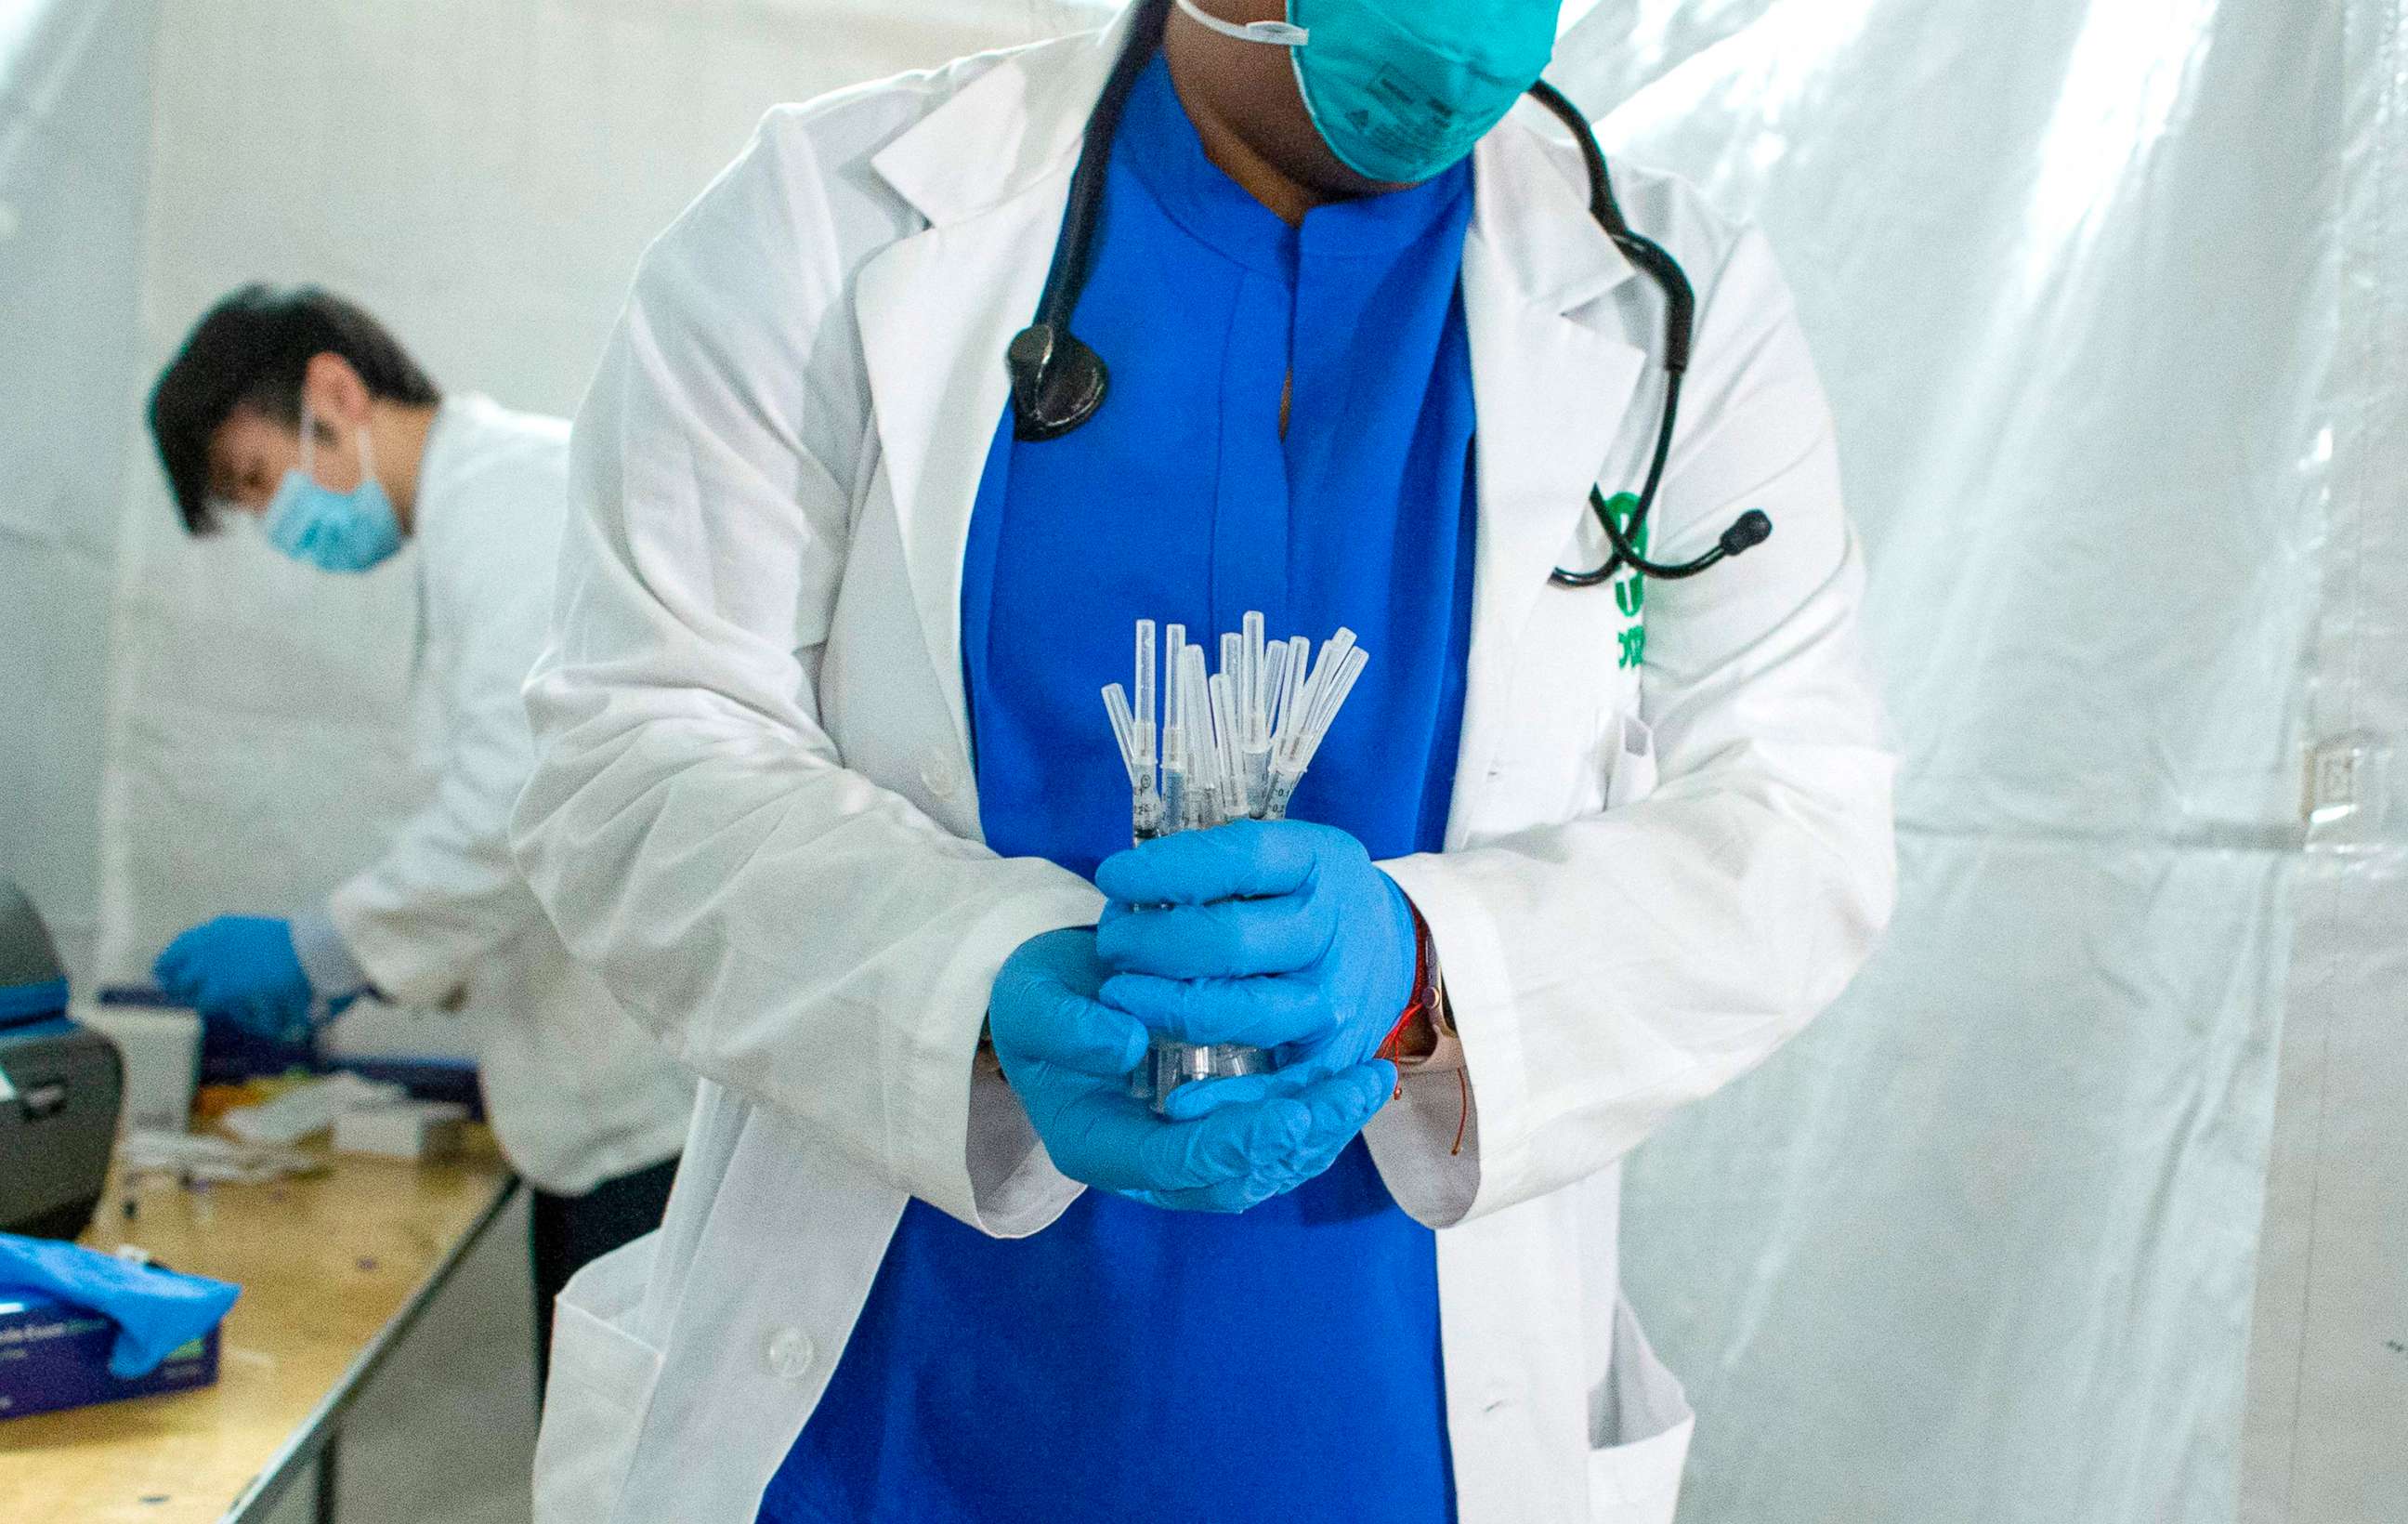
(935, 313)
(1551, 390)
(991, 171)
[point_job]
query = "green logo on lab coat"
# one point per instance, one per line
(1629, 587)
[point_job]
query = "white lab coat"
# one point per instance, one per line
(577, 1092)
(755, 808)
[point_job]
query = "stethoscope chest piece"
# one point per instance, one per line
(1057, 382)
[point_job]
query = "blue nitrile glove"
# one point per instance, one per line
(1070, 1057)
(1274, 933)
(240, 970)
(156, 1311)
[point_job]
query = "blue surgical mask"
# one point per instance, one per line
(1400, 90)
(334, 531)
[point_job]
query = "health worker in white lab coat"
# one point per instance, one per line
(297, 409)
(931, 397)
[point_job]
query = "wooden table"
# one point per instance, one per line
(334, 1267)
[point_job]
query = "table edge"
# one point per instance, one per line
(267, 1486)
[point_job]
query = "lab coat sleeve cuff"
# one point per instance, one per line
(404, 969)
(1012, 1181)
(327, 960)
(1413, 1138)
(970, 1151)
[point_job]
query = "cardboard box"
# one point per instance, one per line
(53, 1355)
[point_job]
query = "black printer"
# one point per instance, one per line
(61, 1086)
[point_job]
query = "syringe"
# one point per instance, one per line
(1233, 745)
(1305, 718)
(1254, 676)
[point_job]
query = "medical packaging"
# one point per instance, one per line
(54, 1356)
(307, 1108)
(420, 1131)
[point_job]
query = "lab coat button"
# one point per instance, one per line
(787, 1355)
(938, 772)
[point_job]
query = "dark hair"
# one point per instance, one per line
(252, 350)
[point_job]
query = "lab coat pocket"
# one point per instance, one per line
(1641, 1439)
(602, 1378)
(1633, 760)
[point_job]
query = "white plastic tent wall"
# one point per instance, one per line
(75, 101)
(482, 174)
(2090, 1203)
(2111, 298)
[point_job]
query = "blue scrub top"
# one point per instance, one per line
(1128, 1363)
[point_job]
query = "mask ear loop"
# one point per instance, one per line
(367, 457)
(1276, 34)
(309, 448)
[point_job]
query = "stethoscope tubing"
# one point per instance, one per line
(1058, 382)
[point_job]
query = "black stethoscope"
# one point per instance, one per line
(1057, 381)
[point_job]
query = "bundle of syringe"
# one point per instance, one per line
(1232, 745)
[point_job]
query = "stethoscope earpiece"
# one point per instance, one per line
(1749, 530)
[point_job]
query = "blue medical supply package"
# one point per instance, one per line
(53, 1355)
(78, 1326)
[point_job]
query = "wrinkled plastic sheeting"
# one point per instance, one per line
(1982, 1245)
(72, 75)
(484, 175)
(2329, 1353)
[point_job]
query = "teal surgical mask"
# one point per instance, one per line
(334, 531)
(1400, 90)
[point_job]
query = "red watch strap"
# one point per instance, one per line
(1426, 1000)
(1424, 997)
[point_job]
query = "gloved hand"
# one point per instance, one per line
(240, 970)
(1275, 933)
(1068, 1058)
